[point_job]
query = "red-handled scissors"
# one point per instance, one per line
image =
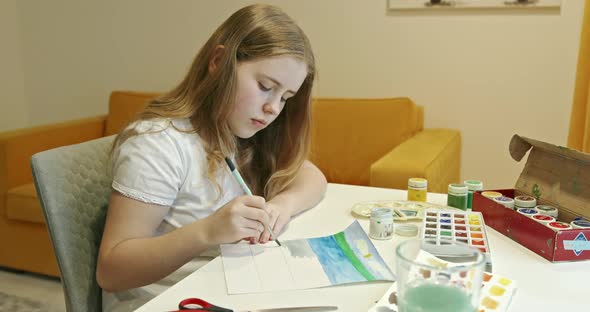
(196, 304)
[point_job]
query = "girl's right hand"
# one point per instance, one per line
(244, 216)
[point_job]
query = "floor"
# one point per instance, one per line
(39, 288)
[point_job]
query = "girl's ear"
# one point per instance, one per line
(216, 58)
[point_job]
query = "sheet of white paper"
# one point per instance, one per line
(345, 257)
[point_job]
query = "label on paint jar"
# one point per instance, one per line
(381, 223)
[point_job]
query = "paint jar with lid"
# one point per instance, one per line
(457, 196)
(580, 224)
(381, 223)
(548, 210)
(544, 219)
(491, 194)
(529, 212)
(472, 187)
(524, 202)
(505, 201)
(417, 189)
(558, 226)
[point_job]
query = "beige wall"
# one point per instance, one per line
(13, 110)
(488, 73)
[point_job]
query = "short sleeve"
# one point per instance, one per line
(149, 167)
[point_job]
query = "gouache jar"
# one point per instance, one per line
(558, 226)
(580, 224)
(505, 201)
(524, 202)
(417, 189)
(548, 210)
(472, 187)
(457, 196)
(544, 219)
(529, 212)
(491, 195)
(381, 223)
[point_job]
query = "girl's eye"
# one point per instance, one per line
(263, 88)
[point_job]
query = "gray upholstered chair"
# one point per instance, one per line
(73, 183)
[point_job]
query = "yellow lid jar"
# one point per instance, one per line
(417, 189)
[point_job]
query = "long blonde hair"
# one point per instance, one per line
(271, 158)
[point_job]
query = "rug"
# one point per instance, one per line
(18, 304)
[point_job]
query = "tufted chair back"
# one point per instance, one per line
(73, 183)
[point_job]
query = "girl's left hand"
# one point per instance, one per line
(278, 218)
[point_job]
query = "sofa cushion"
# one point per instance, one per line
(22, 204)
(123, 106)
(348, 135)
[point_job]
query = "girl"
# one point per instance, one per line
(246, 96)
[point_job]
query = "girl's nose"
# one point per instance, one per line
(272, 106)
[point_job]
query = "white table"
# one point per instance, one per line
(542, 285)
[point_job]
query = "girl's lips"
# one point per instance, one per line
(258, 122)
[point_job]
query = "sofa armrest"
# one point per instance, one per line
(434, 154)
(17, 147)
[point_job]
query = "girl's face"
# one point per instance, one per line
(263, 87)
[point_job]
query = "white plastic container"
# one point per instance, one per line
(580, 224)
(559, 226)
(505, 201)
(381, 223)
(547, 210)
(545, 219)
(491, 195)
(529, 212)
(524, 202)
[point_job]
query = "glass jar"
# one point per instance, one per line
(381, 223)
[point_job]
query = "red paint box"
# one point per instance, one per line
(555, 176)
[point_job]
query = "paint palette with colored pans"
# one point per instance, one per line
(497, 293)
(462, 226)
(402, 210)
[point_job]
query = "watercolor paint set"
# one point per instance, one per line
(461, 226)
(553, 176)
(496, 293)
(402, 210)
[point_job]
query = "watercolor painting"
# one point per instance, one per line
(345, 257)
(472, 4)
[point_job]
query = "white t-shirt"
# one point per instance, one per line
(164, 165)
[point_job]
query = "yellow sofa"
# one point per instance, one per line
(377, 142)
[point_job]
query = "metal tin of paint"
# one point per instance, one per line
(580, 224)
(505, 201)
(381, 223)
(558, 226)
(529, 212)
(541, 218)
(547, 210)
